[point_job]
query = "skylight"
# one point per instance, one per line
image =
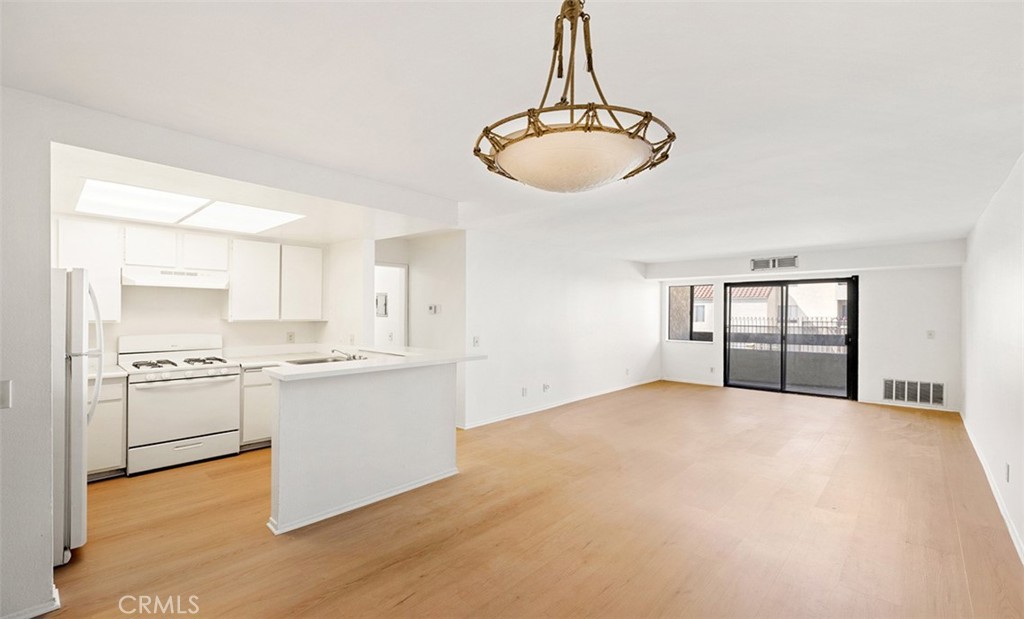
(239, 218)
(139, 203)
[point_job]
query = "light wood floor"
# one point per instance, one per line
(667, 499)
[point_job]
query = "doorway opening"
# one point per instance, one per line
(391, 316)
(797, 336)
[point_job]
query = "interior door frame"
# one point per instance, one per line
(852, 331)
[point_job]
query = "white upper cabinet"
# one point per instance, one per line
(204, 251)
(163, 247)
(302, 283)
(255, 289)
(155, 247)
(98, 247)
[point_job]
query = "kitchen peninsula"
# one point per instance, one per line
(350, 433)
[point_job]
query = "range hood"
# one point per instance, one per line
(173, 278)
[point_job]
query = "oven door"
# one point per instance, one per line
(175, 409)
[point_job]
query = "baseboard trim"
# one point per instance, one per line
(1010, 526)
(550, 405)
(917, 405)
(40, 609)
(687, 381)
(277, 528)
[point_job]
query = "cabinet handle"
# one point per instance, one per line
(189, 446)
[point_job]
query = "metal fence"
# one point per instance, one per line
(804, 334)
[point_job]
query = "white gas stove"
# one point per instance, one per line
(184, 399)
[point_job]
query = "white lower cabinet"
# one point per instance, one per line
(258, 406)
(106, 434)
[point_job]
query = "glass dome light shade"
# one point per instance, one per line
(572, 161)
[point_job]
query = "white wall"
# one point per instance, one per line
(29, 124)
(437, 276)
(993, 305)
(152, 310)
(550, 316)
(898, 306)
(349, 293)
(395, 251)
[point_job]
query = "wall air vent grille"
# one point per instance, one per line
(888, 389)
(913, 391)
(767, 264)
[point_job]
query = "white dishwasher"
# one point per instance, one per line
(258, 407)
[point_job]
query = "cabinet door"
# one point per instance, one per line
(155, 247)
(203, 251)
(98, 247)
(106, 433)
(254, 289)
(257, 407)
(302, 280)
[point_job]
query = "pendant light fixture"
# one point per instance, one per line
(570, 147)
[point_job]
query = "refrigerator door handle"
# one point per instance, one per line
(98, 354)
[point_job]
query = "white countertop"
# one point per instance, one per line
(109, 371)
(379, 359)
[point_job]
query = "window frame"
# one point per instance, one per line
(706, 337)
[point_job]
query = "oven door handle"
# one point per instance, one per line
(179, 382)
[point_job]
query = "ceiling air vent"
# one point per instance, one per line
(779, 262)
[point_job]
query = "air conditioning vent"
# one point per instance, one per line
(913, 391)
(779, 262)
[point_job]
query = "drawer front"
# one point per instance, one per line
(110, 390)
(255, 377)
(179, 452)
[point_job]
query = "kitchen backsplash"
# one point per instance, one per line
(146, 310)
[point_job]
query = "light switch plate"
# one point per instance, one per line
(6, 394)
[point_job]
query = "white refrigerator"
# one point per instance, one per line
(72, 299)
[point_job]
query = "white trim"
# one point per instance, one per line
(544, 407)
(39, 609)
(1010, 526)
(917, 405)
(278, 529)
(691, 381)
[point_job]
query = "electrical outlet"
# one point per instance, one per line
(712, 369)
(290, 336)
(476, 341)
(391, 336)
(546, 387)
(351, 339)
(524, 392)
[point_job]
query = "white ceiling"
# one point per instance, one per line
(800, 124)
(324, 221)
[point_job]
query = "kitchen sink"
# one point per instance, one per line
(313, 360)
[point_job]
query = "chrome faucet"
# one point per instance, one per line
(347, 356)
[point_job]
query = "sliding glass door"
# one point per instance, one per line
(794, 336)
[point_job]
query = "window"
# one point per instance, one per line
(691, 314)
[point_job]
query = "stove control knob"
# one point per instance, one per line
(188, 374)
(166, 375)
(150, 376)
(211, 372)
(224, 371)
